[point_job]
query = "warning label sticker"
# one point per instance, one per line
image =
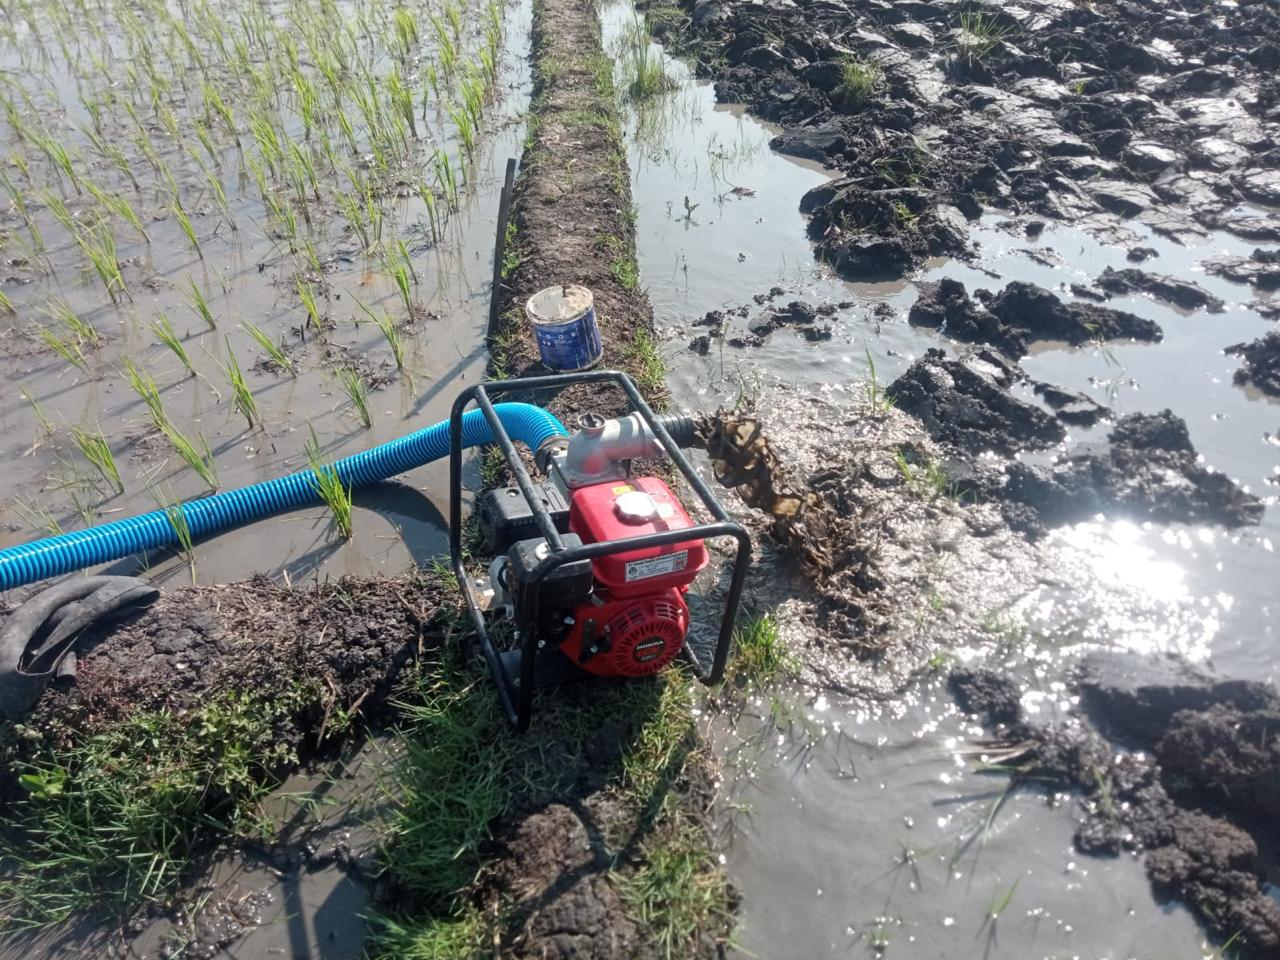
(657, 566)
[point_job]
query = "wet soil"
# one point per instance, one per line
(345, 642)
(1064, 112)
(1189, 778)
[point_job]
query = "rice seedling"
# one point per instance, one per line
(401, 271)
(199, 459)
(99, 245)
(308, 296)
(46, 425)
(879, 402)
(241, 395)
(390, 333)
(429, 201)
(199, 304)
(144, 385)
(858, 79)
(75, 326)
(182, 530)
(446, 179)
(164, 332)
(97, 451)
(187, 229)
(275, 351)
(6, 305)
(119, 206)
(38, 518)
(329, 488)
(68, 349)
(357, 392)
(60, 159)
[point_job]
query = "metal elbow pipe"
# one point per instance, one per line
(600, 448)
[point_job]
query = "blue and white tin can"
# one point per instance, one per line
(564, 324)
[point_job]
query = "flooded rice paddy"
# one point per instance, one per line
(233, 235)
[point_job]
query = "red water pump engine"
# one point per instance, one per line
(636, 620)
(591, 568)
(620, 615)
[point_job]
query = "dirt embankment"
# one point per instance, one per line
(935, 112)
(573, 212)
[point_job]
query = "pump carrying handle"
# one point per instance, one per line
(516, 693)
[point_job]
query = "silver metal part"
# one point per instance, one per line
(599, 451)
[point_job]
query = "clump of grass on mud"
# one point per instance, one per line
(644, 76)
(760, 655)
(112, 821)
(980, 35)
(859, 79)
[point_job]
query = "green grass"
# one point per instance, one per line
(646, 365)
(760, 655)
(644, 76)
(97, 451)
(927, 480)
(677, 891)
(980, 36)
(357, 392)
(859, 79)
(627, 272)
(112, 820)
(879, 402)
(329, 488)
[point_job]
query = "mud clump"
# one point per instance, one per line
(969, 407)
(1019, 315)
(1262, 270)
(1260, 363)
(994, 697)
(558, 879)
(1071, 408)
(1180, 293)
(1149, 472)
(1028, 313)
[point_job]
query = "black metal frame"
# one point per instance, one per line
(516, 694)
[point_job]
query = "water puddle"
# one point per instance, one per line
(860, 834)
(894, 844)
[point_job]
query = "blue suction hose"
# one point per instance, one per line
(67, 552)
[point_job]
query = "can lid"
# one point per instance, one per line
(558, 303)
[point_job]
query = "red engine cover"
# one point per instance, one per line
(631, 637)
(630, 508)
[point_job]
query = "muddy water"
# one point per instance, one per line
(827, 798)
(248, 275)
